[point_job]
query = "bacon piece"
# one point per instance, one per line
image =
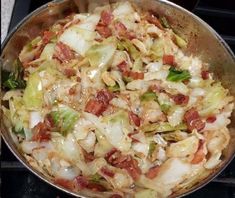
(82, 182)
(106, 17)
(122, 31)
(95, 107)
(193, 120)
(123, 66)
(107, 172)
(104, 31)
(116, 196)
(89, 157)
(125, 162)
(63, 52)
(104, 96)
(110, 153)
(152, 172)
(134, 118)
(205, 75)
(69, 72)
(41, 132)
(96, 187)
(47, 36)
(168, 59)
(180, 99)
(136, 75)
(68, 184)
(72, 91)
(154, 20)
(211, 119)
(199, 155)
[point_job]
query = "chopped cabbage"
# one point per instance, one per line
(215, 99)
(33, 94)
(183, 148)
(146, 193)
(65, 119)
(162, 127)
(80, 40)
(100, 55)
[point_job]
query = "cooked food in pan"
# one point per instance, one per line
(107, 103)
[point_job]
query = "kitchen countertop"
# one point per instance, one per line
(6, 11)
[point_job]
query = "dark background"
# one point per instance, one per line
(18, 182)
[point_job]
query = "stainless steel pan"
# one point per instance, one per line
(204, 42)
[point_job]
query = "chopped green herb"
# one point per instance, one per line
(149, 95)
(95, 178)
(152, 147)
(14, 80)
(114, 88)
(165, 108)
(178, 75)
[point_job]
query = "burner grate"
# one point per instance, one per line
(17, 181)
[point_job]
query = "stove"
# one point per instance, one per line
(18, 182)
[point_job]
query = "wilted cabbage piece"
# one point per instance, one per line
(33, 94)
(100, 55)
(64, 119)
(216, 97)
(107, 99)
(162, 127)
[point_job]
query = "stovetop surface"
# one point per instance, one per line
(18, 182)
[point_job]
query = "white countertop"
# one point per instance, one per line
(6, 11)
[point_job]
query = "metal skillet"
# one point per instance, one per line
(203, 42)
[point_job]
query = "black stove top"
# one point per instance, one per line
(18, 182)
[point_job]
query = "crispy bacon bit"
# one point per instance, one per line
(125, 162)
(205, 75)
(133, 75)
(136, 75)
(69, 72)
(48, 121)
(63, 52)
(104, 96)
(78, 79)
(168, 59)
(156, 88)
(68, 184)
(211, 119)
(122, 31)
(134, 118)
(152, 172)
(154, 20)
(98, 105)
(81, 181)
(116, 196)
(106, 17)
(96, 187)
(72, 91)
(180, 99)
(47, 36)
(89, 157)
(107, 172)
(104, 31)
(193, 120)
(123, 66)
(95, 107)
(84, 183)
(199, 155)
(110, 153)
(41, 132)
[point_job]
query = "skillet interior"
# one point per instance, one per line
(203, 42)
